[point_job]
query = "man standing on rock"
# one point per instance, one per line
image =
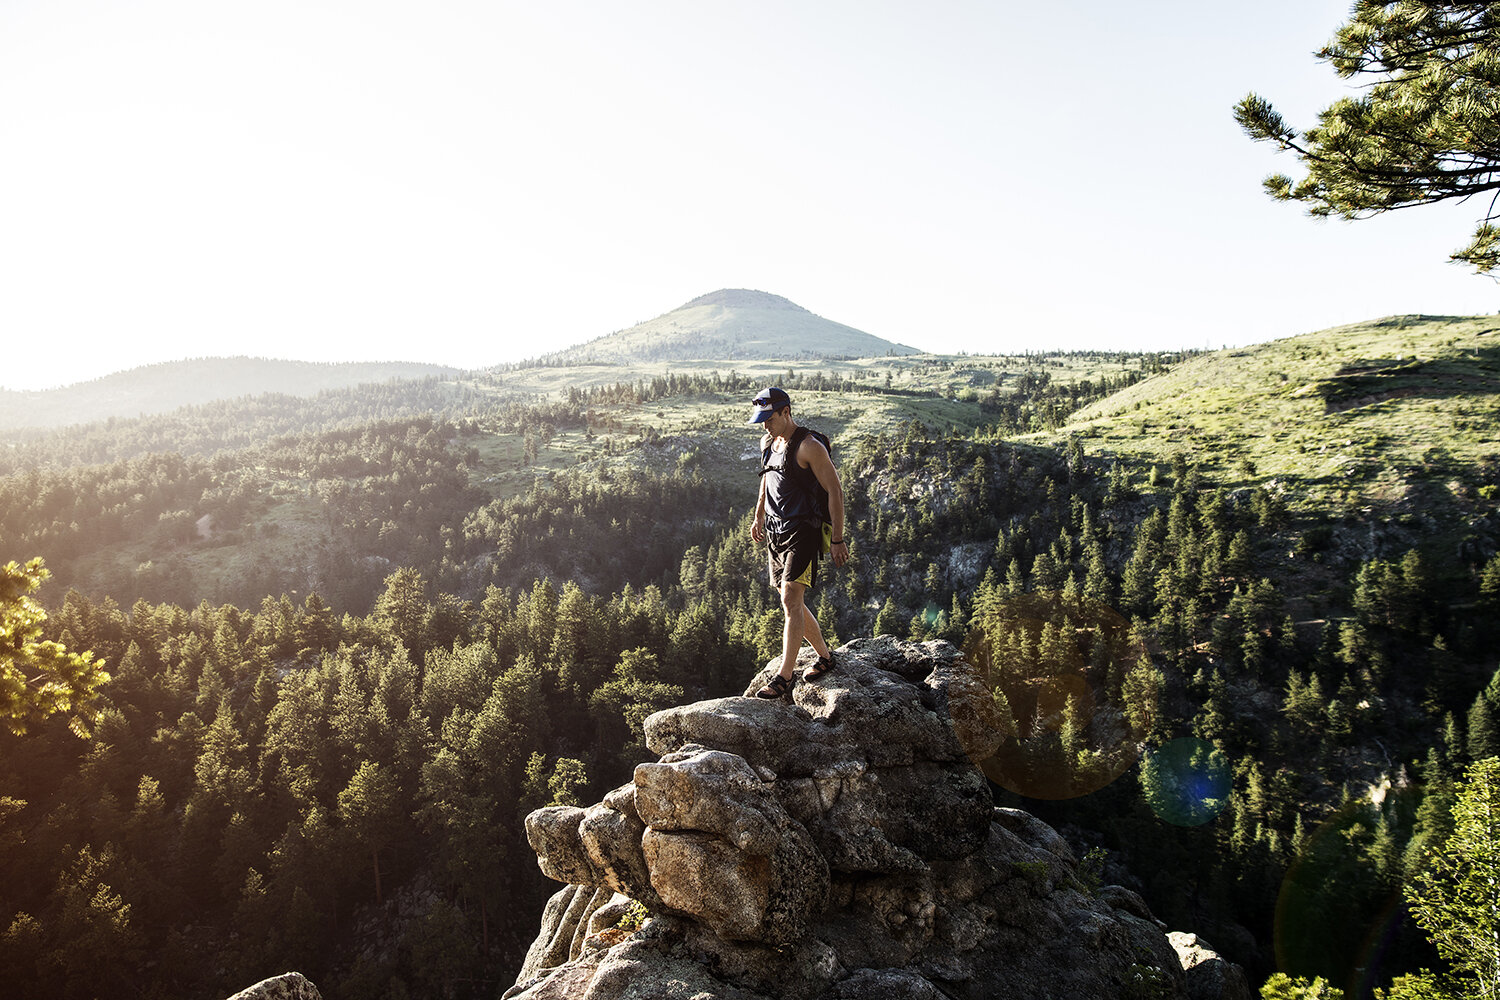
(801, 504)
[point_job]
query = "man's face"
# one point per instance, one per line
(778, 423)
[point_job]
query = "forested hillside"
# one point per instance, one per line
(350, 653)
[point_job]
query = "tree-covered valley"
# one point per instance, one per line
(353, 639)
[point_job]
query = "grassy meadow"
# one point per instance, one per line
(1361, 415)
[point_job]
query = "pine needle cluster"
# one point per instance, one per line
(1424, 128)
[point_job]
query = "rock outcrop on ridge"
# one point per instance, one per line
(843, 845)
(289, 986)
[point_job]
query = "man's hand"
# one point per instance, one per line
(839, 553)
(758, 530)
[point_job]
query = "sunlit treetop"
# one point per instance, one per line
(39, 678)
(1424, 127)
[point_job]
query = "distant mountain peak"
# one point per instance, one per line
(744, 298)
(728, 325)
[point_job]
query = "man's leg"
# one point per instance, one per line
(801, 624)
(796, 627)
(812, 629)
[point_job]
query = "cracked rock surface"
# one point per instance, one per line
(842, 844)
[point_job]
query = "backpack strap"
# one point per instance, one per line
(789, 456)
(806, 476)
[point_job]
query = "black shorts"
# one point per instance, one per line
(792, 555)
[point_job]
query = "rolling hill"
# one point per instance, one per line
(1355, 414)
(731, 324)
(161, 388)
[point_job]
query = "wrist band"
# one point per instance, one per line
(838, 542)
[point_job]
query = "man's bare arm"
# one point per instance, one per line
(818, 460)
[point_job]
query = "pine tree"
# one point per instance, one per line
(568, 782)
(1004, 719)
(1456, 899)
(1254, 652)
(315, 629)
(1180, 532)
(1378, 593)
(1137, 588)
(39, 678)
(1054, 649)
(1046, 574)
(402, 610)
(1285, 648)
(1098, 588)
(1454, 745)
(1015, 580)
(621, 706)
(1141, 693)
(1434, 818)
(1284, 987)
(1422, 126)
(1384, 853)
(1212, 723)
(99, 937)
(370, 808)
(954, 629)
(1489, 594)
(1416, 594)
(1072, 590)
(1119, 489)
(1256, 798)
(1483, 737)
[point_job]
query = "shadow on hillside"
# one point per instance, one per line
(1375, 380)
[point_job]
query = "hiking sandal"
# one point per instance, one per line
(779, 687)
(824, 664)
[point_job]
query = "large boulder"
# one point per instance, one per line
(843, 844)
(1209, 975)
(288, 986)
(721, 848)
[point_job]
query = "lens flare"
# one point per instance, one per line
(1072, 694)
(1186, 781)
(1325, 925)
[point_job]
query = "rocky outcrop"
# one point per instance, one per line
(841, 845)
(1209, 976)
(289, 986)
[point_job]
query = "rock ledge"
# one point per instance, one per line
(838, 846)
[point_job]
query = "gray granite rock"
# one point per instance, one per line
(288, 986)
(1209, 976)
(836, 845)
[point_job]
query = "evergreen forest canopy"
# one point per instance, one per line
(353, 639)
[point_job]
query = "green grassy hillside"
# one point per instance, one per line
(1359, 415)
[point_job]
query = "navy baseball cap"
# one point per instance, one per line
(767, 402)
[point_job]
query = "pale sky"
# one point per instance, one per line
(476, 181)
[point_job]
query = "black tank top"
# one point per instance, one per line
(789, 500)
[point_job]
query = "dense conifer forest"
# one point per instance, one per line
(439, 606)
